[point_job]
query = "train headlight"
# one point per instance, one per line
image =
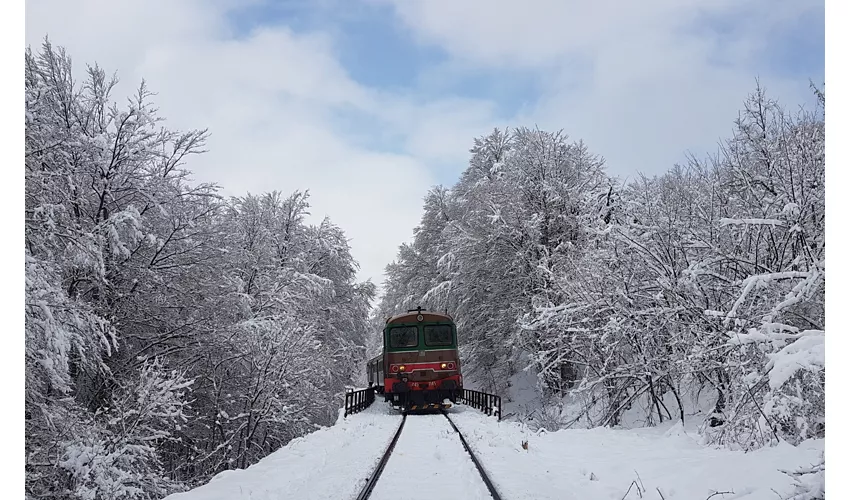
(451, 366)
(401, 368)
(394, 368)
(443, 366)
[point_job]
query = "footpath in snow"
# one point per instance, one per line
(429, 462)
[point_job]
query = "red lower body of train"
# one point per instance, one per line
(414, 381)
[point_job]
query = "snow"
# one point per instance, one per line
(807, 352)
(603, 463)
(666, 461)
(429, 457)
(328, 464)
(522, 398)
(767, 222)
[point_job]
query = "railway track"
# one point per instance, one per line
(410, 476)
(484, 476)
(373, 479)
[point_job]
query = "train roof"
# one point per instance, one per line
(412, 316)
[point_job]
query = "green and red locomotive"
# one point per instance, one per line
(419, 367)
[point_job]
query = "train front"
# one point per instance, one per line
(422, 367)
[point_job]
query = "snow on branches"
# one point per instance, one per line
(139, 281)
(699, 291)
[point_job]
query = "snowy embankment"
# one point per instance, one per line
(330, 464)
(663, 462)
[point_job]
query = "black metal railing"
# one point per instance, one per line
(357, 401)
(488, 403)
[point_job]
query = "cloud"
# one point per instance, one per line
(639, 82)
(284, 114)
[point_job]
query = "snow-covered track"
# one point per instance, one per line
(373, 479)
(427, 458)
(481, 471)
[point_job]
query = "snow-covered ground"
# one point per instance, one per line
(664, 462)
(329, 464)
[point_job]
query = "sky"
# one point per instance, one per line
(369, 103)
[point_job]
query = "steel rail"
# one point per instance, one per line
(484, 477)
(373, 479)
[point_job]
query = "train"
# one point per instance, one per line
(419, 365)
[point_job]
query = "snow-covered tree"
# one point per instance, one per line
(170, 333)
(638, 297)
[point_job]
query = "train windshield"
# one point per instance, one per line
(438, 335)
(404, 336)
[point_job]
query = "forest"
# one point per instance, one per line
(170, 333)
(707, 278)
(173, 333)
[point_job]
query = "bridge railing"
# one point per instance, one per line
(357, 401)
(486, 402)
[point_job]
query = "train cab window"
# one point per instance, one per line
(404, 336)
(438, 335)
